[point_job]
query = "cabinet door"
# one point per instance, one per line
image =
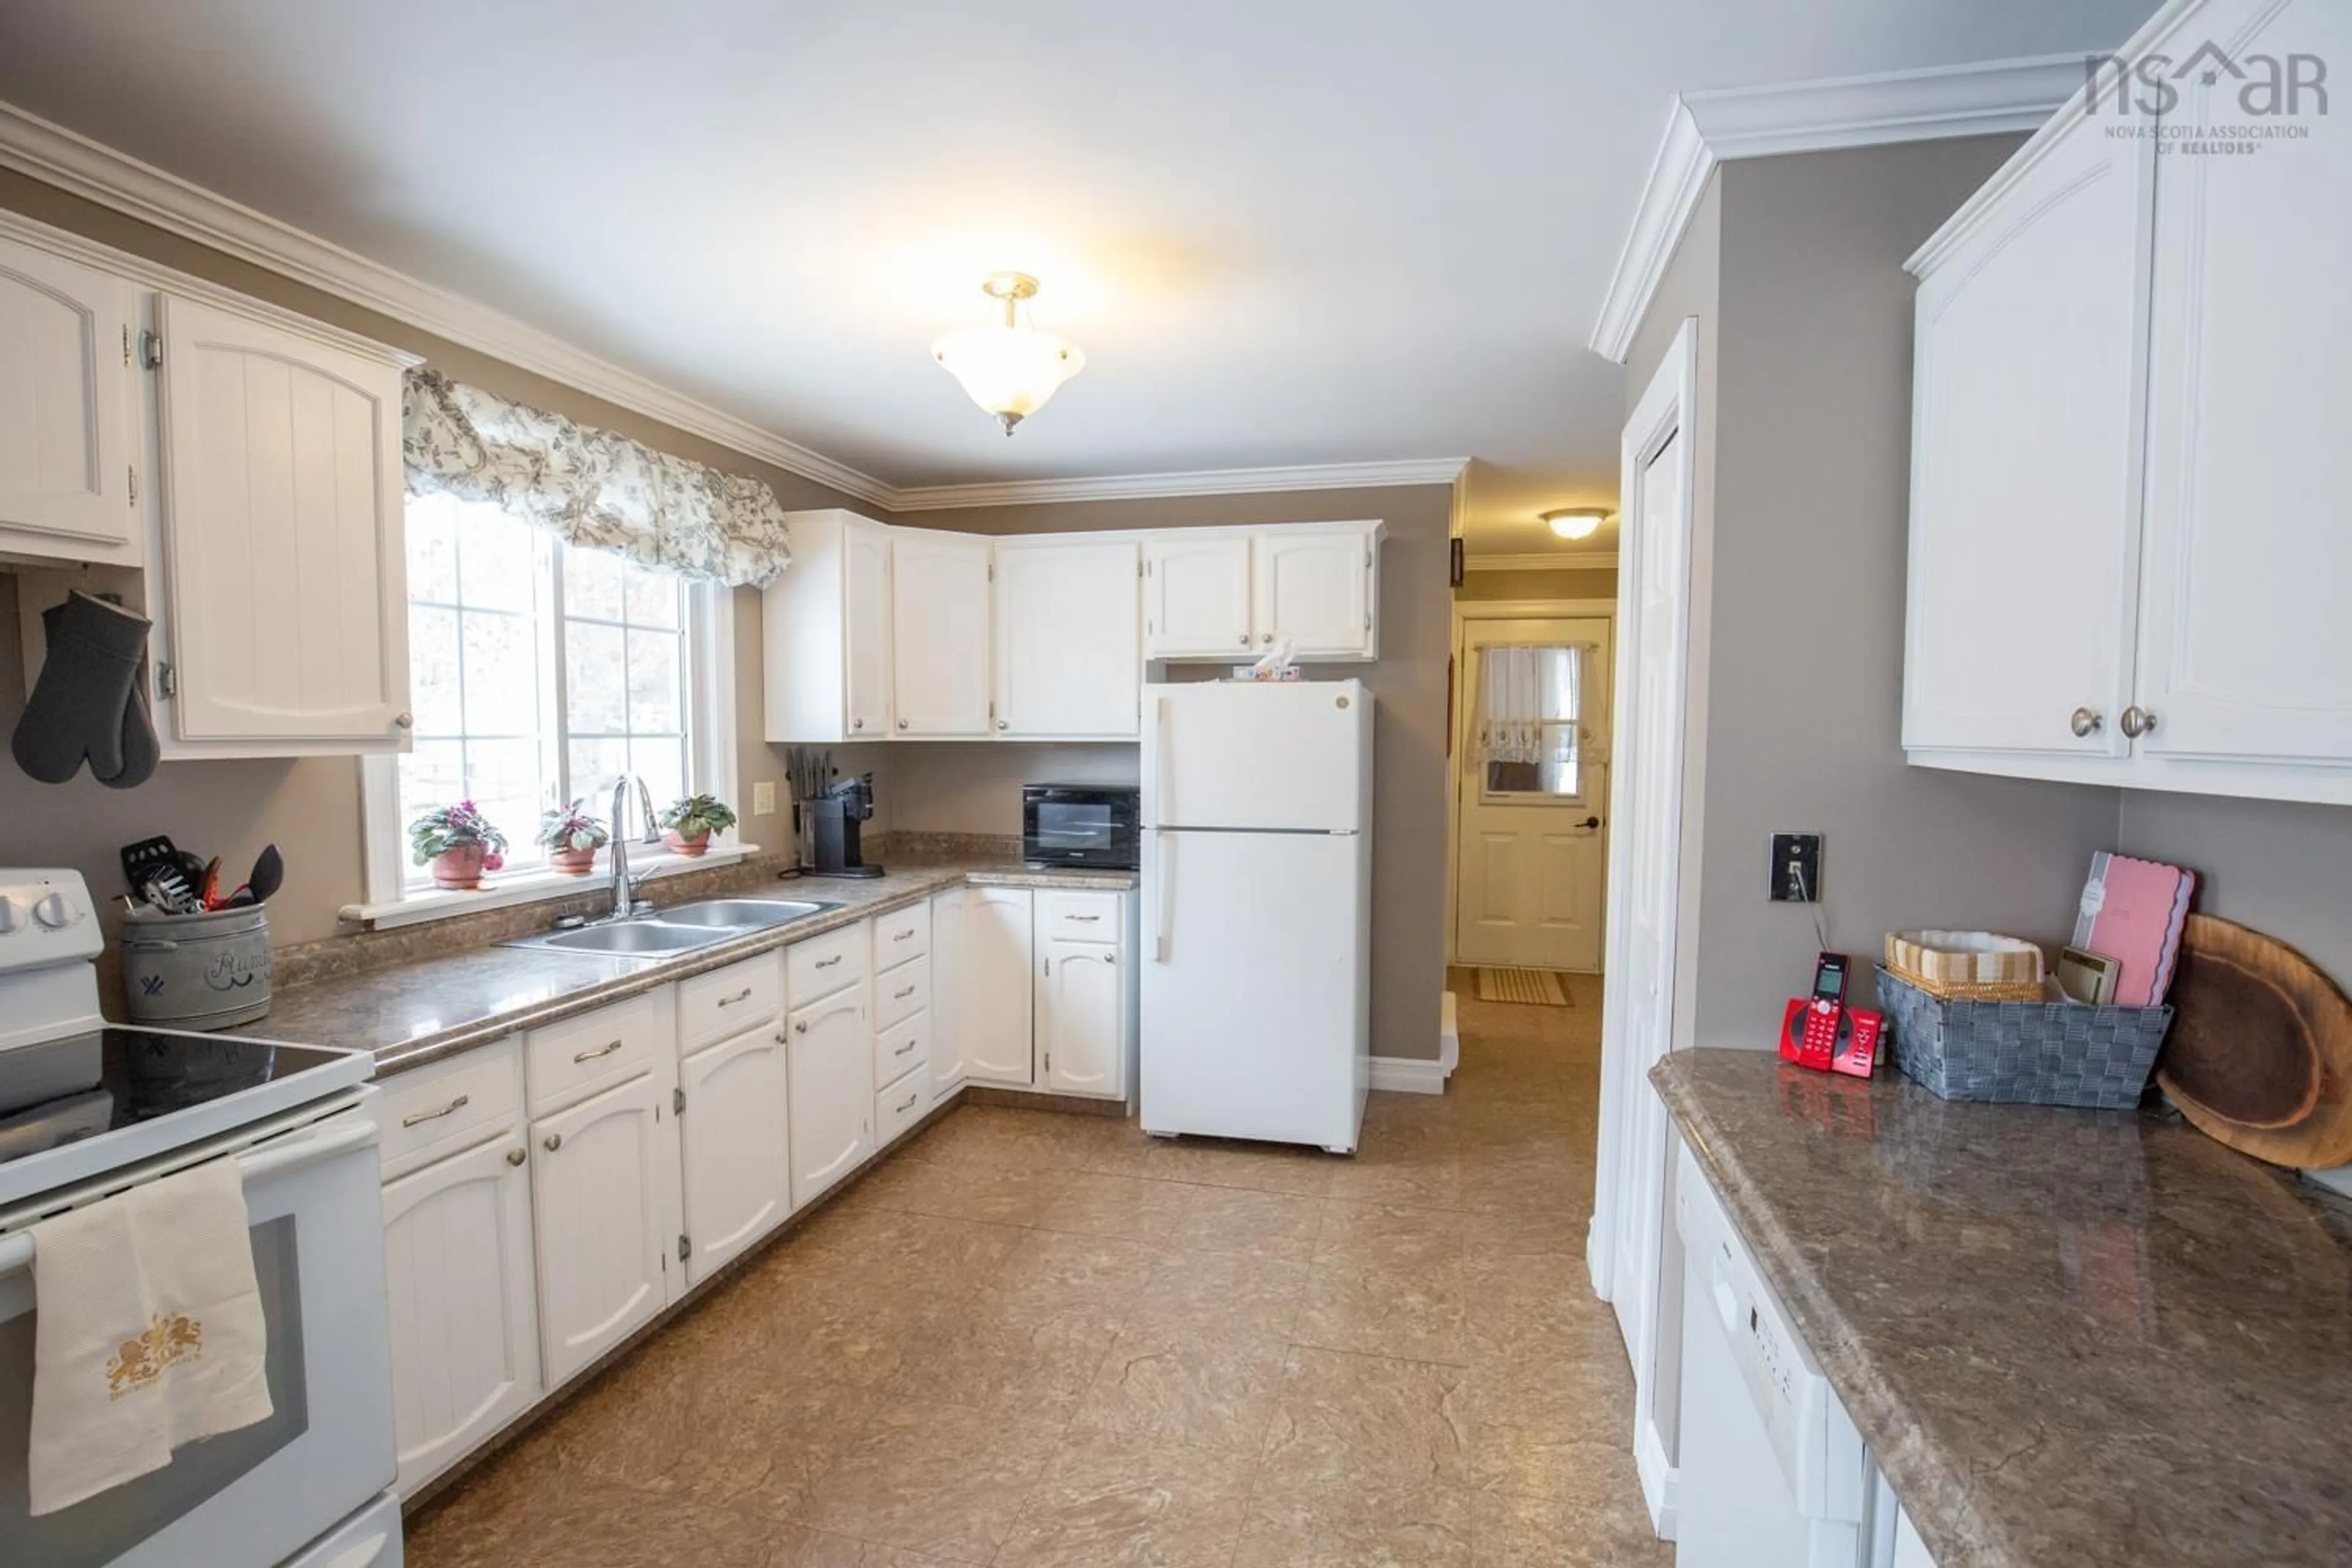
(1197, 595)
(994, 986)
(65, 402)
(831, 1052)
(1080, 992)
(1314, 588)
(465, 1325)
(948, 1030)
(939, 633)
(2025, 459)
(605, 1180)
(283, 529)
(2244, 650)
(1069, 662)
(865, 631)
(734, 1136)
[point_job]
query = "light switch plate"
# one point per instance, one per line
(763, 799)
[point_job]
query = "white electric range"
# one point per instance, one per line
(89, 1109)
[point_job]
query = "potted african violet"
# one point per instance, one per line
(571, 838)
(459, 842)
(688, 823)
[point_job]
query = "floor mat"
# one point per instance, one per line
(1535, 987)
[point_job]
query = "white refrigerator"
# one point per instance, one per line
(1257, 875)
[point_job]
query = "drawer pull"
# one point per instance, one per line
(902, 995)
(1089, 920)
(606, 1049)
(742, 995)
(829, 962)
(901, 936)
(457, 1104)
(910, 1105)
(902, 1050)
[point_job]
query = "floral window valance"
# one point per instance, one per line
(593, 487)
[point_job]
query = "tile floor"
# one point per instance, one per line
(1035, 1340)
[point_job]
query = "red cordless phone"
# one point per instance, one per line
(1809, 1030)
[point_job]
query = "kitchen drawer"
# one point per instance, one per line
(726, 1002)
(902, 935)
(824, 964)
(900, 1046)
(901, 992)
(902, 1104)
(567, 1062)
(450, 1106)
(1078, 917)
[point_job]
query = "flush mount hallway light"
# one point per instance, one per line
(1010, 368)
(1577, 521)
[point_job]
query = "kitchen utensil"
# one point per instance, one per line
(208, 890)
(2260, 1053)
(268, 874)
(139, 858)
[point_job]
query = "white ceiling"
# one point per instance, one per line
(1304, 232)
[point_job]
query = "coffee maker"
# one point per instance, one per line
(837, 812)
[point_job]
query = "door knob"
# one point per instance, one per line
(1591, 822)
(2088, 721)
(2138, 721)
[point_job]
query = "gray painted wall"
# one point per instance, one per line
(2281, 868)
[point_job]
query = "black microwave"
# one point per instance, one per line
(1095, 826)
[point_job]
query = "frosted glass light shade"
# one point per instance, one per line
(1009, 371)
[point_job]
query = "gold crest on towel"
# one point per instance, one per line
(140, 1361)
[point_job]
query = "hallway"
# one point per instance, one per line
(1035, 1340)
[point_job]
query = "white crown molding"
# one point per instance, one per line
(1597, 561)
(1199, 482)
(82, 167)
(1706, 129)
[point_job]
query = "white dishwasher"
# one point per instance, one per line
(1773, 1474)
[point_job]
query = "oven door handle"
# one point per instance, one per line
(326, 1139)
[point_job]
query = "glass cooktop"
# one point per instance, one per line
(83, 1085)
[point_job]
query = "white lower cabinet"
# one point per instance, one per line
(992, 989)
(832, 1062)
(947, 1034)
(465, 1336)
(734, 1138)
(604, 1190)
(1081, 1007)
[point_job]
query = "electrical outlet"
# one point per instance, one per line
(1794, 876)
(763, 799)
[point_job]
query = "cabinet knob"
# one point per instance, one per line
(551, 1142)
(403, 721)
(517, 1156)
(2086, 722)
(1004, 723)
(2138, 721)
(902, 723)
(1265, 637)
(801, 1027)
(1245, 639)
(857, 723)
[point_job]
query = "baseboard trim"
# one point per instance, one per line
(1661, 1481)
(1419, 1075)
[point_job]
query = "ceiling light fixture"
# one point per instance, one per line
(1577, 521)
(1009, 368)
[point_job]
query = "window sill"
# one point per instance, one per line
(534, 887)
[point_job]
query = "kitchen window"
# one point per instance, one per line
(540, 672)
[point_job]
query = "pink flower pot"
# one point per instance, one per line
(573, 862)
(682, 845)
(459, 869)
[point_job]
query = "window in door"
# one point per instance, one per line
(1531, 735)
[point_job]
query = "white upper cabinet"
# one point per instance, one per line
(2245, 649)
(282, 496)
(828, 627)
(992, 987)
(1314, 588)
(1197, 590)
(1069, 665)
(65, 447)
(2126, 557)
(2025, 456)
(939, 633)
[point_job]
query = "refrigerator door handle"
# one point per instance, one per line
(1160, 812)
(1167, 910)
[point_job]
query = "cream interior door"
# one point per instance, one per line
(1531, 835)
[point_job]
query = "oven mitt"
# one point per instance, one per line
(77, 707)
(141, 750)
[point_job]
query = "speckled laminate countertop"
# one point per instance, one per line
(2072, 1339)
(416, 1012)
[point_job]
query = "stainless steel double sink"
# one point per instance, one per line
(682, 928)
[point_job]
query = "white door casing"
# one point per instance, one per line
(734, 1138)
(65, 401)
(1532, 871)
(1627, 1248)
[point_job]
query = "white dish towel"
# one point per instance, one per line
(148, 1332)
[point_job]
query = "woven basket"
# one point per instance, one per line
(1968, 991)
(1979, 963)
(2032, 1053)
